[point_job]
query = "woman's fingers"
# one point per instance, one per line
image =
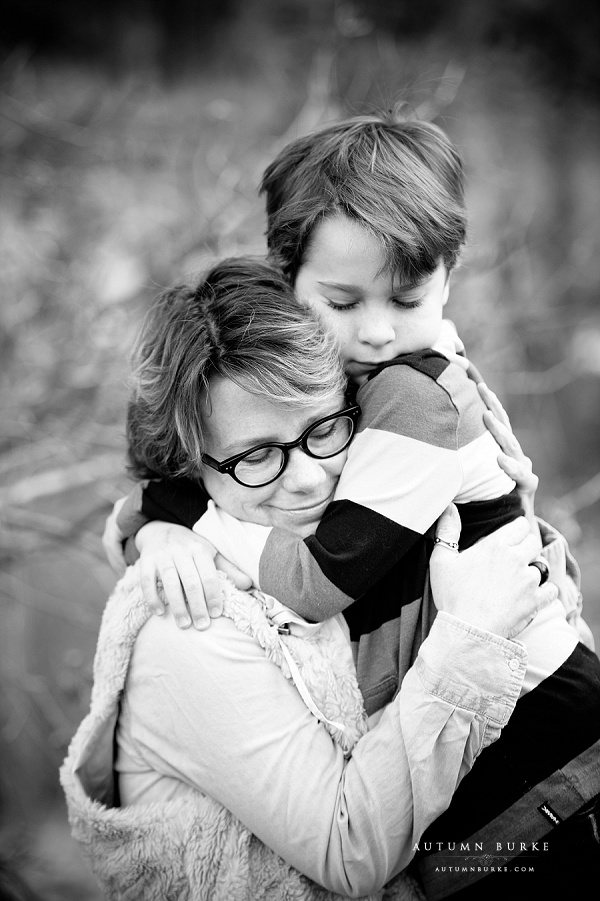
(447, 531)
(490, 585)
(493, 404)
(545, 595)
(517, 534)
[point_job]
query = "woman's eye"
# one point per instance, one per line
(260, 456)
(324, 431)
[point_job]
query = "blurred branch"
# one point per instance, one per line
(583, 496)
(20, 591)
(55, 481)
(47, 126)
(53, 528)
(547, 382)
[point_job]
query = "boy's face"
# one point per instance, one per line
(374, 317)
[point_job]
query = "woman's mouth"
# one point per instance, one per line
(312, 510)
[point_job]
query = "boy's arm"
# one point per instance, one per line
(404, 467)
(178, 500)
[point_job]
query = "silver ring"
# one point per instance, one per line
(451, 545)
(543, 568)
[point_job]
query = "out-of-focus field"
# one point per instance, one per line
(115, 186)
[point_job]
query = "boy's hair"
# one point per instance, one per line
(243, 322)
(402, 180)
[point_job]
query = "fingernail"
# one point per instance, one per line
(509, 463)
(201, 624)
(159, 611)
(184, 622)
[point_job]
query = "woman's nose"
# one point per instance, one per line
(302, 473)
(376, 330)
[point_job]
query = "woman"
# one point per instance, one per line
(232, 786)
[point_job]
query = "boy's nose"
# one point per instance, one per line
(302, 473)
(377, 331)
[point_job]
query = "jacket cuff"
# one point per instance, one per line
(471, 668)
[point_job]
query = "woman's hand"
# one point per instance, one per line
(512, 459)
(112, 539)
(490, 585)
(186, 565)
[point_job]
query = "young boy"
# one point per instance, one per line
(366, 219)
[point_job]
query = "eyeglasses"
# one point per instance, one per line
(264, 463)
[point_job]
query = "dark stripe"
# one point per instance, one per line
(550, 726)
(430, 362)
(405, 579)
(178, 501)
(354, 545)
(480, 518)
(384, 600)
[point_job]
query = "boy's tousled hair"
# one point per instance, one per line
(241, 321)
(402, 180)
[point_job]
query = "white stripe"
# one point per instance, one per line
(408, 481)
(483, 480)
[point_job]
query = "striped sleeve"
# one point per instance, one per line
(403, 469)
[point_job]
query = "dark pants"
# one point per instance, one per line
(571, 865)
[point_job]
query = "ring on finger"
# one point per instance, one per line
(543, 568)
(451, 545)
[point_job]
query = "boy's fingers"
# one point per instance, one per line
(207, 580)
(150, 590)
(174, 594)
(192, 591)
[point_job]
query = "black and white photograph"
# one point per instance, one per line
(300, 450)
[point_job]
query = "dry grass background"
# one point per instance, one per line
(115, 186)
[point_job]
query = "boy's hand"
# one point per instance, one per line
(112, 539)
(186, 564)
(512, 459)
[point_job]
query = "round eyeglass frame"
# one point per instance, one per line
(227, 467)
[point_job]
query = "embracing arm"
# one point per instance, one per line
(211, 710)
(178, 501)
(421, 444)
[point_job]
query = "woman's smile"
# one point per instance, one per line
(297, 499)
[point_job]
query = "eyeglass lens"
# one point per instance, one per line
(325, 440)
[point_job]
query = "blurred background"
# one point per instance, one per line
(132, 139)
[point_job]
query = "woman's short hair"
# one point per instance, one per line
(402, 180)
(241, 321)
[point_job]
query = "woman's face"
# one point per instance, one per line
(234, 421)
(374, 317)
